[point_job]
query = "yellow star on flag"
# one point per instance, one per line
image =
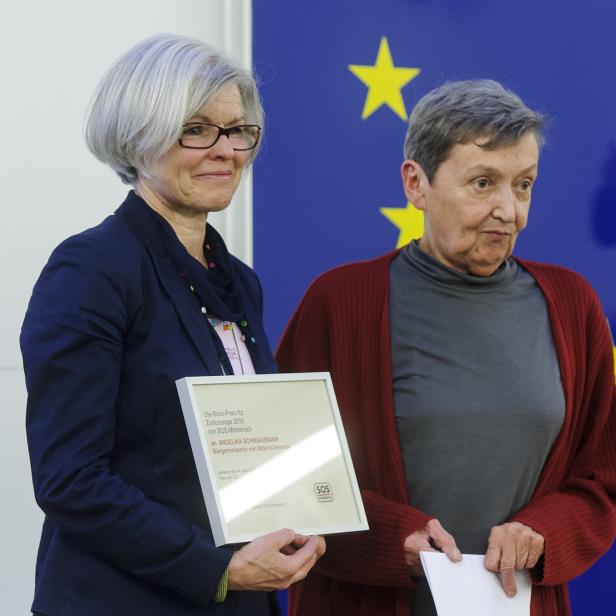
(408, 219)
(384, 81)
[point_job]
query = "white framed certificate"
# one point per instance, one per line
(271, 453)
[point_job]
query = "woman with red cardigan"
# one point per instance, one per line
(476, 389)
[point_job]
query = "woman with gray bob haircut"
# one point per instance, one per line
(477, 387)
(461, 112)
(119, 313)
(151, 92)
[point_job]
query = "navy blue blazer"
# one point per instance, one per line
(109, 328)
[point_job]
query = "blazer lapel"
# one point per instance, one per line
(146, 229)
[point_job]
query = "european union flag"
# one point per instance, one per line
(339, 80)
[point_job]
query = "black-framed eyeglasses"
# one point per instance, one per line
(201, 135)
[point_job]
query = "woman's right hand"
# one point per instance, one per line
(274, 561)
(432, 536)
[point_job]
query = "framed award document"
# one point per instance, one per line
(271, 453)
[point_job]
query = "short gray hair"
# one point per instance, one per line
(150, 92)
(461, 111)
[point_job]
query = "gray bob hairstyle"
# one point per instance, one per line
(150, 92)
(461, 111)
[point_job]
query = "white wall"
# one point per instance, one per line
(52, 54)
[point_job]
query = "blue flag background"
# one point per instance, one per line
(338, 80)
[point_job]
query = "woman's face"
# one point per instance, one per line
(191, 181)
(476, 204)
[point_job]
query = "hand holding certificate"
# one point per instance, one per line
(271, 453)
(274, 561)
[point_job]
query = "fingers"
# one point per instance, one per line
(314, 549)
(287, 550)
(417, 542)
(298, 542)
(308, 549)
(507, 566)
(280, 538)
(501, 557)
(274, 561)
(507, 577)
(423, 540)
(512, 546)
(413, 544)
(301, 540)
(492, 557)
(443, 540)
(321, 546)
(521, 555)
(535, 551)
(306, 556)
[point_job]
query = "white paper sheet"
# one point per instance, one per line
(467, 588)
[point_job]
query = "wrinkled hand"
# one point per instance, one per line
(512, 546)
(431, 536)
(274, 561)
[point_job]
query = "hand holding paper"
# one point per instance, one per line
(512, 546)
(423, 540)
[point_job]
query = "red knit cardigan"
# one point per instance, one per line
(342, 325)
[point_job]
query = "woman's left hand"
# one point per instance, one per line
(512, 546)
